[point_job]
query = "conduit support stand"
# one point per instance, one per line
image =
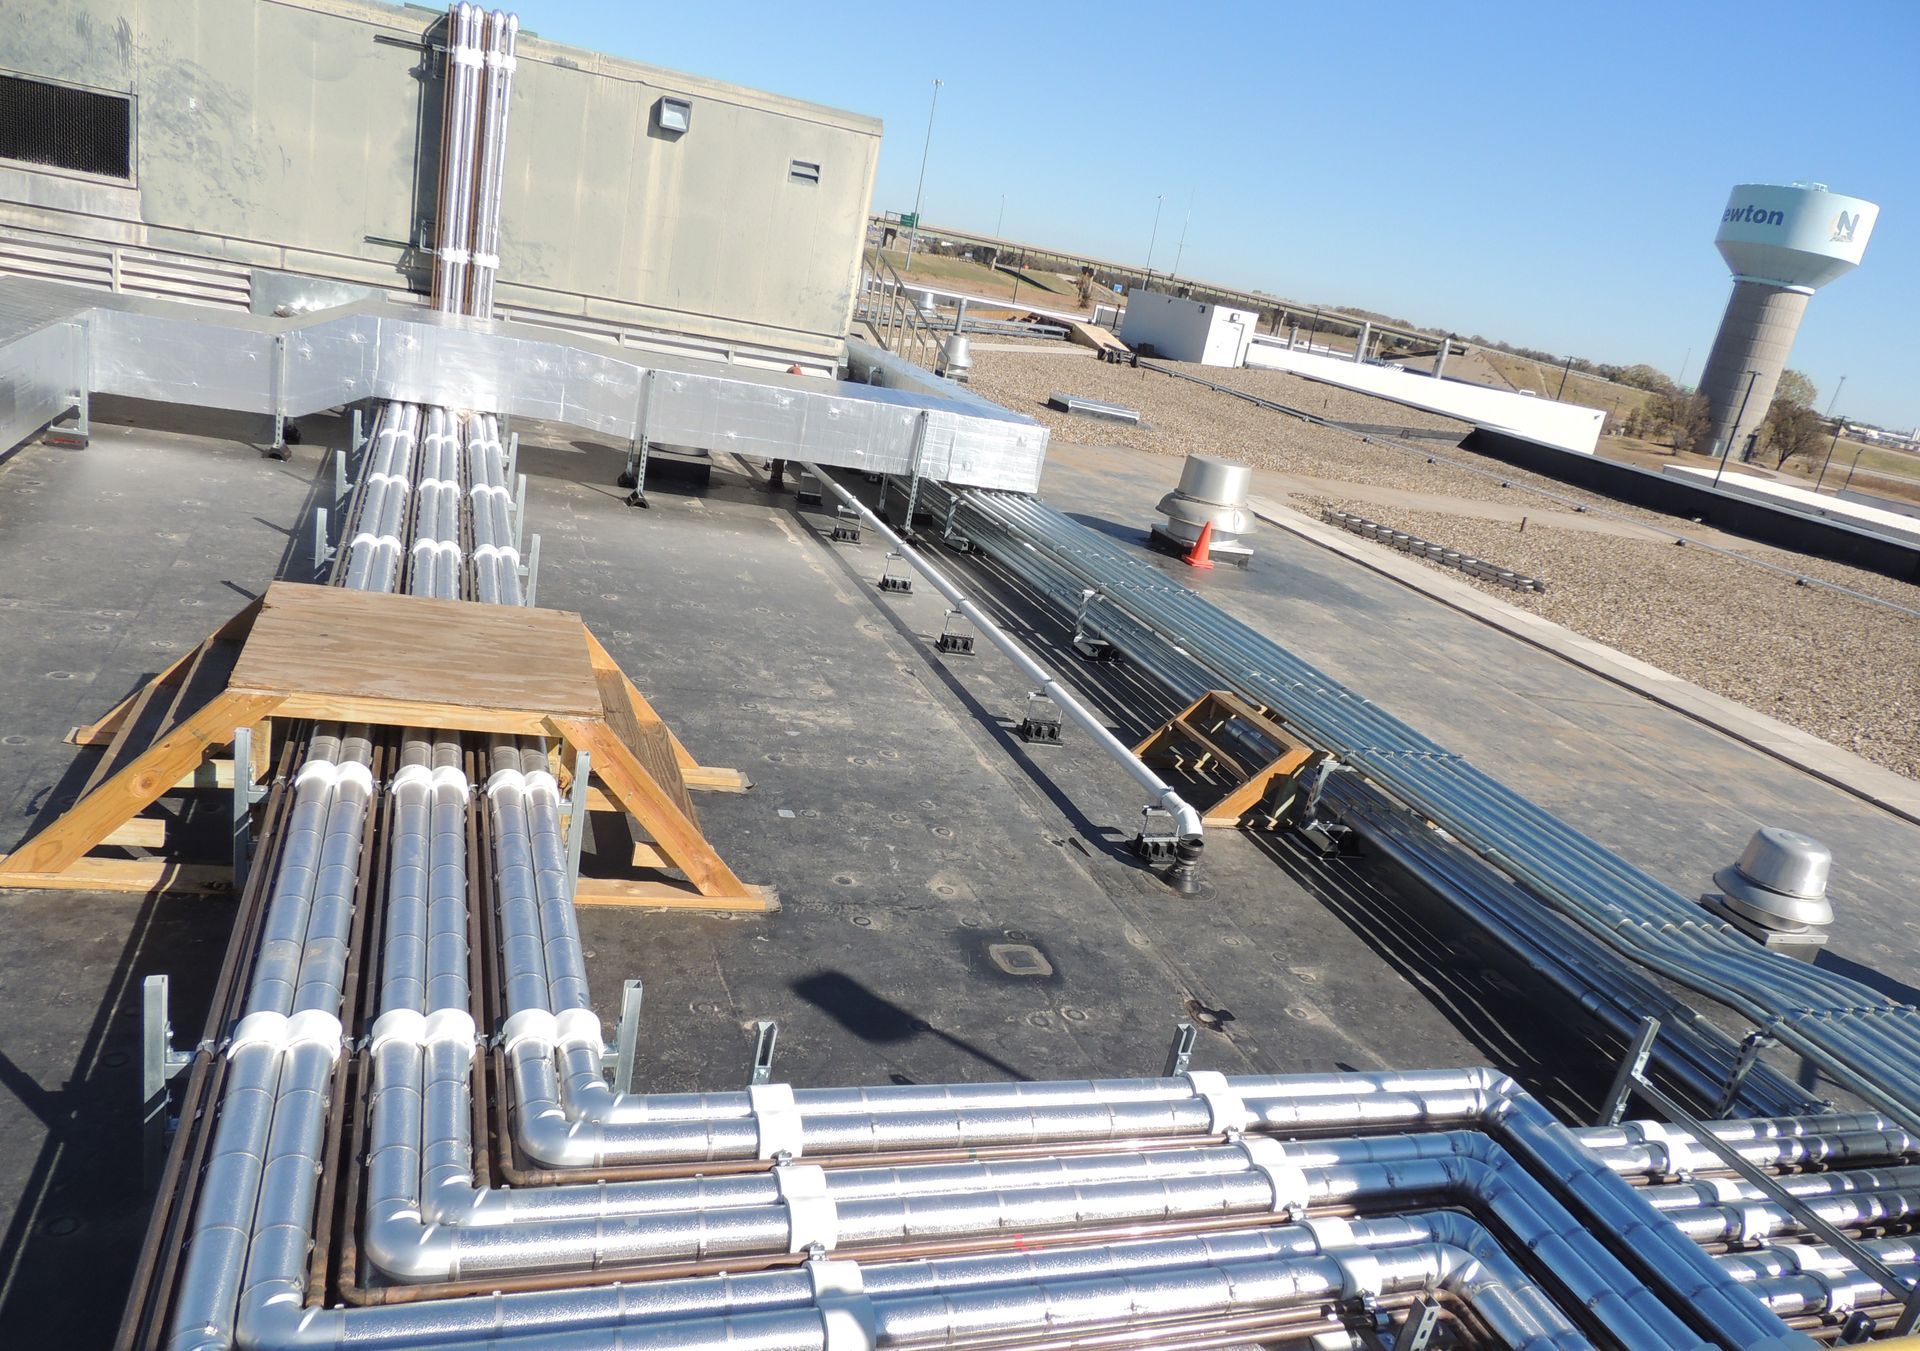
(1180, 1054)
(1632, 1065)
(1184, 873)
(279, 447)
(247, 792)
(160, 1063)
(577, 817)
(323, 547)
(530, 571)
(626, 1035)
(766, 1035)
(635, 474)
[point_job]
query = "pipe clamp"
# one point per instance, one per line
(528, 1025)
(577, 1027)
(813, 1221)
(402, 1025)
(776, 1119)
(265, 1028)
(454, 1026)
(411, 776)
(315, 1027)
(1270, 1157)
(1225, 1111)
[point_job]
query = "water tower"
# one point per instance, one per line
(1783, 244)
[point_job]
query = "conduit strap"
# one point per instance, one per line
(846, 1314)
(1360, 1273)
(486, 260)
(813, 1221)
(1225, 1112)
(776, 1119)
(1270, 1157)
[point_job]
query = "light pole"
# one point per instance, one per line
(919, 193)
(1000, 219)
(1180, 252)
(1752, 375)
(1837, 429)
(1154, 238)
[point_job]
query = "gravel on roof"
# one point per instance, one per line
(1845, 669)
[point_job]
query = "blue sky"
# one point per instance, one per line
(1547, 174)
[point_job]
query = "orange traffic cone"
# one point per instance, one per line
(1201, 554)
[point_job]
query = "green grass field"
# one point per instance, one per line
(965, 275)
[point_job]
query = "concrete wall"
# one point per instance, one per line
(1187, 330)
(304, 135)
(1563, 426)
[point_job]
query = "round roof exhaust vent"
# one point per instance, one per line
(1780, 881)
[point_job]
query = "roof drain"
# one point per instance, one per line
(1183, 874)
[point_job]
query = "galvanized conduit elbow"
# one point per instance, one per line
(1186, 819)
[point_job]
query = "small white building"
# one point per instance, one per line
(1187, 330)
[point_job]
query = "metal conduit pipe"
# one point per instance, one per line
(436, 553)
(502, 36)
(1756, 1221)
(496, 559)
(957, 1301)
(1185, 875)
(1735, 948)
(1569, 871)
(1667, 1196)
(1690, 1051)
(1023, 554)
(374, 553)
(1809, 1267)
(280, 1056)
(458, 154)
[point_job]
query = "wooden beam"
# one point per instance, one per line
(629, 784)
(707, 779)
(142, 832)
(100, 732)
(145, 875)
(208, 774)
(405, 712)
(669, 896)
(136, 787)
(700, 778)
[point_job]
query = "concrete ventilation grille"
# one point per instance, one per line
(1433, 553)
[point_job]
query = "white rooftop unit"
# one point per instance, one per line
(1187, 330)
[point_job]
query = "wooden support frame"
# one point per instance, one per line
(303, 652)
(1191, 742)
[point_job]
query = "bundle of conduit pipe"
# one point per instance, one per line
(412, 1143)
(407, 1139)
(480, 65)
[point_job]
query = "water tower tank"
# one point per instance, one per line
(1783, 243)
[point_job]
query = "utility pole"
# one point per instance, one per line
(919, 193)
(1154, 238)
(1837, 429)
(1565, 371)
(1000, 219)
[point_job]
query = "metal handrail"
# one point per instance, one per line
(898, 326)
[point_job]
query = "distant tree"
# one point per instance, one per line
(1792, 428)
(1794, 388)
(1643, 376)
(1677, 416)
